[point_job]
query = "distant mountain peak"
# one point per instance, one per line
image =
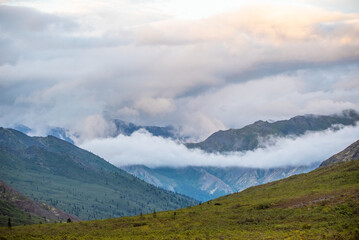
(127, 128)
(58, 132)
(247, 138)
(261, 123)
(22, 128)
(351, 113)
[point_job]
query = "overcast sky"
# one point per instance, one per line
(202, 65)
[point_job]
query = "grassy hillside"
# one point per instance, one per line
(322, 204)
(16, 215)
(23, 210)
(58, 173)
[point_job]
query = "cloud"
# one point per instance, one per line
(143, 148)
(20, 19)
(323, 91)
(147, 62)
(25, 31)
(154, 105)
(95, 126)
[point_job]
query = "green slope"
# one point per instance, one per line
(322, 204)
(248, 137)
(23, 210)
(17, 216)
(58, 173)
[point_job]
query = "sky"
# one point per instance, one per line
(199, 65)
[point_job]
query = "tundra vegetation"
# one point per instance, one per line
(322, 204)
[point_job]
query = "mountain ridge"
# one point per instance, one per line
(250, 136)
(120, 127)
(205, 183)
(50, 170)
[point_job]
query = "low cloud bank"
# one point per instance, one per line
(143, 148)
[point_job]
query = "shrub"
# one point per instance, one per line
(306, 226)
(263, 206)
(236, 206)
(139, 224)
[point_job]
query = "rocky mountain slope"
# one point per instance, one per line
(23, 210)
(254, 135)
(205, 183)
(58, 173)
(348, 154)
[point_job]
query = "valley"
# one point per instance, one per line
(322, 204)
(208, 182)
(179, 120)
(236, 202)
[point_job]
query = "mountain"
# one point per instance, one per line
(121, 127)
(322, 204)
(205, 183)
(191, 181)
(22, 128)
(23, 210)
(58, 173)
(252, 136)
(58, 132)
(348, 154)
(127, 128)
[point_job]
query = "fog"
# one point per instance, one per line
(143, 148)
